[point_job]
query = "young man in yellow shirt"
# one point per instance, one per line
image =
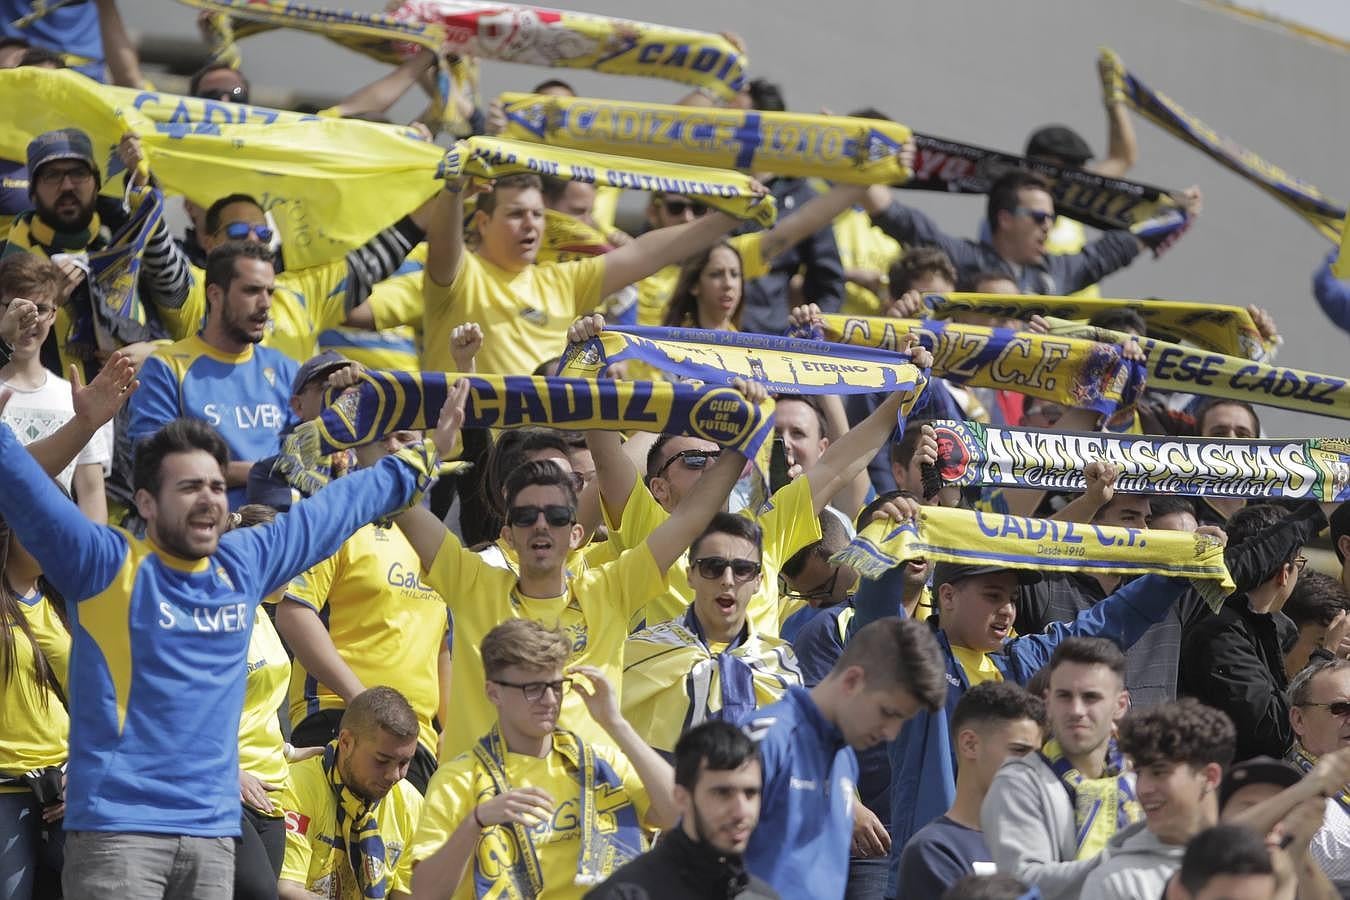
(350, 814)
(593, 606)
(535, 810)
(709, 663)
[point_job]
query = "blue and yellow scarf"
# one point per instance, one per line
(1101, 806)
(1306, 761)
(359, 831)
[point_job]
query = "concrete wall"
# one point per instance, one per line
(988, 72)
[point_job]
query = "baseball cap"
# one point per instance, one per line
(947, 573)
(1059, 141)
(315, 367)
(64, 143)
(1257, 770)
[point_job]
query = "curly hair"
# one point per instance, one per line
(1184, 731)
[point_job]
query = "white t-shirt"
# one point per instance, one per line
(1331, 845)
(33, 415)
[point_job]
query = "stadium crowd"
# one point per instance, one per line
(537, 662)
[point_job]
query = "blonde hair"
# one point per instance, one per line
(525, 643)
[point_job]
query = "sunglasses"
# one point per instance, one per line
(534, 690)
(690, 459)
(1036, 215)
(1338, 708)
(711, 567)
(554, 515)
(678, 207)
(50, 177)
(239, 231)
(237, 94)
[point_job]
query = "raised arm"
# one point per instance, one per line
(124, 64)
(376, 98)
(662, 247)
(445, 229)
(423, 530)
(1122, 150)
(95, 405)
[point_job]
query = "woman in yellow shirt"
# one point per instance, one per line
(34, 648)
(708, 292)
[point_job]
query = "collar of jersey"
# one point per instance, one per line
(178, 562)
(220, 355)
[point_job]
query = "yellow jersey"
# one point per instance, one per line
(385, 622)
(396, 346)
(458, 786)
(789, 523)
(977, 665)
(316, 854)
(262, 747)
(33, 720)
(593, 612)
(655, 290)
(524, 315)
(863, 245)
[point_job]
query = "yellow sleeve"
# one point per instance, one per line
(641, 516)
(454, 573)
(790, 521)
(398, 301)
(299, 851)
(447, 803)
(633, 579)
(186, 320)
(400, 879)
(322, 290)
(311, 587)
(751, 247)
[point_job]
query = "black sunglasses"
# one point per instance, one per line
(555, 515)
(713, 566)
(690, 459)
(680, 206)
(237, 94)
(1339, 708)
(1038, 216)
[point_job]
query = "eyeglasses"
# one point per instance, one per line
(237, 94)
(554, 515)
(678, 206)
(239, 231)
(44, 311)
(690, 459)
(711, 567)
(1300, 562)
(1338, 708)
(824, 592)
(534, 690)
(79, 175)
(1036, 215)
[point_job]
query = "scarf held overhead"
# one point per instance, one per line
(1320, 211)
(978, 538)
(1209, 326)
(972, 453)
(530, 35)
(1062, 370)
(506, 862)
(729, 192)
(839, 148)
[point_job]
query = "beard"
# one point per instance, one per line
(74, 220)
(703, 832)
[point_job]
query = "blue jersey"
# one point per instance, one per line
(801, 844)
(158, 643)
(245, 396)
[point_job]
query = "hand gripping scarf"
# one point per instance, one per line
(1048, 459)
(359, 831)
(1190, 371)
(729, 192)
(1209, 326)
(1062, 370)
(505, 862)
(1306, 761)
(385, 402)
(861, 151)
(1317, 209)
(980, 538)
(1101, 806)
(530, 35)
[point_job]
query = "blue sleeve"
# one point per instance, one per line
(878, 598)
(313, 529)
(77, 556)
(1332, 294)
(928, 868)
(1075, 271)
(1123, 617)
(817, 646)
(155, 402)
(909, 226)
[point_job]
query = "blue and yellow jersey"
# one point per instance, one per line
(159, 643)
(245, 396)
(33, 719)
(316, 854)
(385, 622)
(262, 747)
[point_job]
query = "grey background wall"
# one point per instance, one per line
(988, 72)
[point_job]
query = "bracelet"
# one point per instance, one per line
(477, 821)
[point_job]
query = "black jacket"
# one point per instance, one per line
(1234, 659)
(679, 869)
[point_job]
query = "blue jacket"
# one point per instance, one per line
(923, 762)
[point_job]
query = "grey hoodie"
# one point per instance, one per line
(1139, 866)
(1028, 824)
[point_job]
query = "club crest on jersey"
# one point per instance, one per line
(270, 376)
(534, 316)
(225, 578)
